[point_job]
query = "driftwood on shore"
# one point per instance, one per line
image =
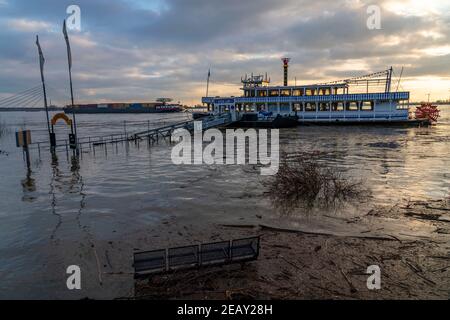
(289, 230)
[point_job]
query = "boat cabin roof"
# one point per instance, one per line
(315, 86)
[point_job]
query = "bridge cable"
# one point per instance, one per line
(22, 100)
(23, 93)
(16, 98)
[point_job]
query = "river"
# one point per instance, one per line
(89, 211)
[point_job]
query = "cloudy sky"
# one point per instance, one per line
(139, 50)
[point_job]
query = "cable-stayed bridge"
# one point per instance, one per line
(31, 99)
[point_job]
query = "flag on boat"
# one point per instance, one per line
(66, 37)
(209, 73)
(41, 58)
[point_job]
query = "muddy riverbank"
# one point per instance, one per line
(307, 263)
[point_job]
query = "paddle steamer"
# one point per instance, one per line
(365, 99)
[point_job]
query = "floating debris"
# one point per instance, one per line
(390, 145)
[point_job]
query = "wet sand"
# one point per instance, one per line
(298, 265)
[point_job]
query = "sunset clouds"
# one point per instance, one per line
(141, 50)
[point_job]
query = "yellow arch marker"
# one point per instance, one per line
(61, 116)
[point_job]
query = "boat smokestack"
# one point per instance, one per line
(285, 69)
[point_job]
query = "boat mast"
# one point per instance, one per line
(207, 82)
(399, 79)
(388, 80)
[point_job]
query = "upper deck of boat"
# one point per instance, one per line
(257, 89)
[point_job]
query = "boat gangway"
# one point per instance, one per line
(166, 131)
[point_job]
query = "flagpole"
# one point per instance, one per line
(41, 63)
(46, 105)
(69, 61)
(73, 112)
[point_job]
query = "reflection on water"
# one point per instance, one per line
(67, 207)
(28, 186)
(397, 163)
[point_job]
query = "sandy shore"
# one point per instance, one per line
(410, 243)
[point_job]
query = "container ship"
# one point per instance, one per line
(161, 105)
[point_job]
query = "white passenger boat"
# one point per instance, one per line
(364, 99)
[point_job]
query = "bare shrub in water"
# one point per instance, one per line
(305, 181)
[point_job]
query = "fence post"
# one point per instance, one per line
(26, 150)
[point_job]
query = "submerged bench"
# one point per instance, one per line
(195, 256)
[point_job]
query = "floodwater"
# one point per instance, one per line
(93, 211)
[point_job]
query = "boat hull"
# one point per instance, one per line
(198, 115)
(276, 123)
(398, 123)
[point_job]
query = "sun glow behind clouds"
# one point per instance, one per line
(418, 7)
(353, 64)
(437, 51)
(437, 87)
(169, 45)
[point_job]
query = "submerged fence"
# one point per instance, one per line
(153, 133)
(195, 256)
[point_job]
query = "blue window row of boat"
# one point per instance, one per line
(340, 97)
